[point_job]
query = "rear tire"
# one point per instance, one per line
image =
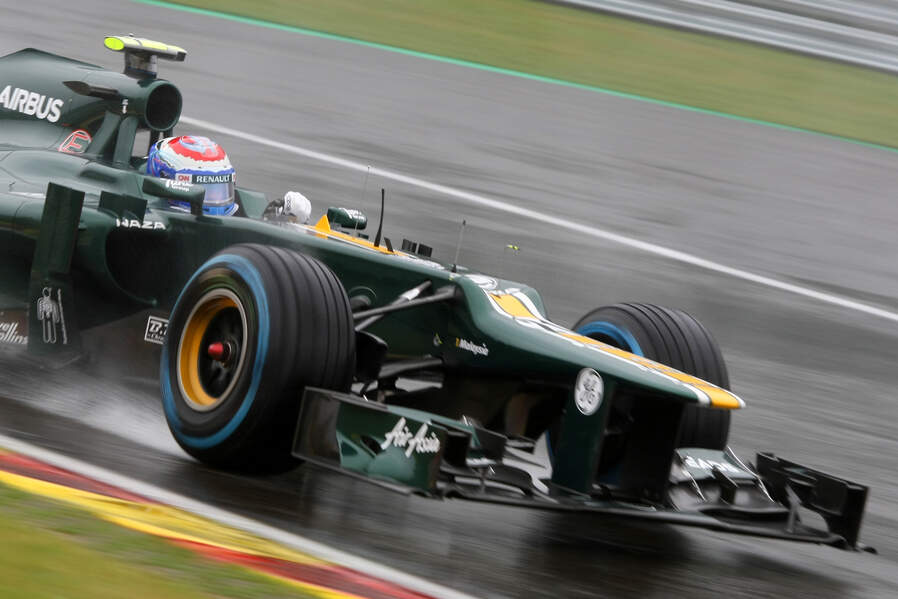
(284, 323)
(674, 338)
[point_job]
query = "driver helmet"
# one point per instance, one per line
(197, 160)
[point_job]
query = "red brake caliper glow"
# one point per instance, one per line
(218, 351)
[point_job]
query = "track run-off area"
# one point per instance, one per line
(780, 241)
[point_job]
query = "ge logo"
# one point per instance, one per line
(588, 391)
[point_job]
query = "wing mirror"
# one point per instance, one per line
(179, 191)
(347, 218)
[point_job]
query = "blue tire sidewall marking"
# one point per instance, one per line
(621, 336)
(250, 275)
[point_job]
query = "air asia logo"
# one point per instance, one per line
(31, 103)
(403, 438)
(206, 179)
(9, 333)
(76, 143)
(156, 330)
(480, 350)
(133, 223)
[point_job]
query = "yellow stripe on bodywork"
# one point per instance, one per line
(154, 45)
(120, 42)
(719, 398)
(323, 228)
(512, 305)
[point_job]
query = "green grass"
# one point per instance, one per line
(617, 54)
(51, 550)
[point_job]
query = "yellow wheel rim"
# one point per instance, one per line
(190, 347)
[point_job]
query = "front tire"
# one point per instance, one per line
(674, 338)
(251, 329)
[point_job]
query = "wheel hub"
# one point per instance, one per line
(211, 349)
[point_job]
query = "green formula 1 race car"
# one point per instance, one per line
(277, 342)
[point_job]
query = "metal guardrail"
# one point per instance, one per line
(873, 15)
(862, 33)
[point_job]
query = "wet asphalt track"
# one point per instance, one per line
(819, 379)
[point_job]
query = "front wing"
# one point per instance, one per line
(417, 452)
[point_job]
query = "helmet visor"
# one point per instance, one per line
(219, 194)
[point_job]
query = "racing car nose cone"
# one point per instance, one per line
(218, 351)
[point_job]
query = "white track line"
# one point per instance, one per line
(294, 541)
(480, 200)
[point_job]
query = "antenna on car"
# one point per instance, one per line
(461, 235)
(365, 184)
(380, 225)
(364, 189)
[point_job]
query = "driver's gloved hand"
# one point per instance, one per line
(294, 207)
(274, 209)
